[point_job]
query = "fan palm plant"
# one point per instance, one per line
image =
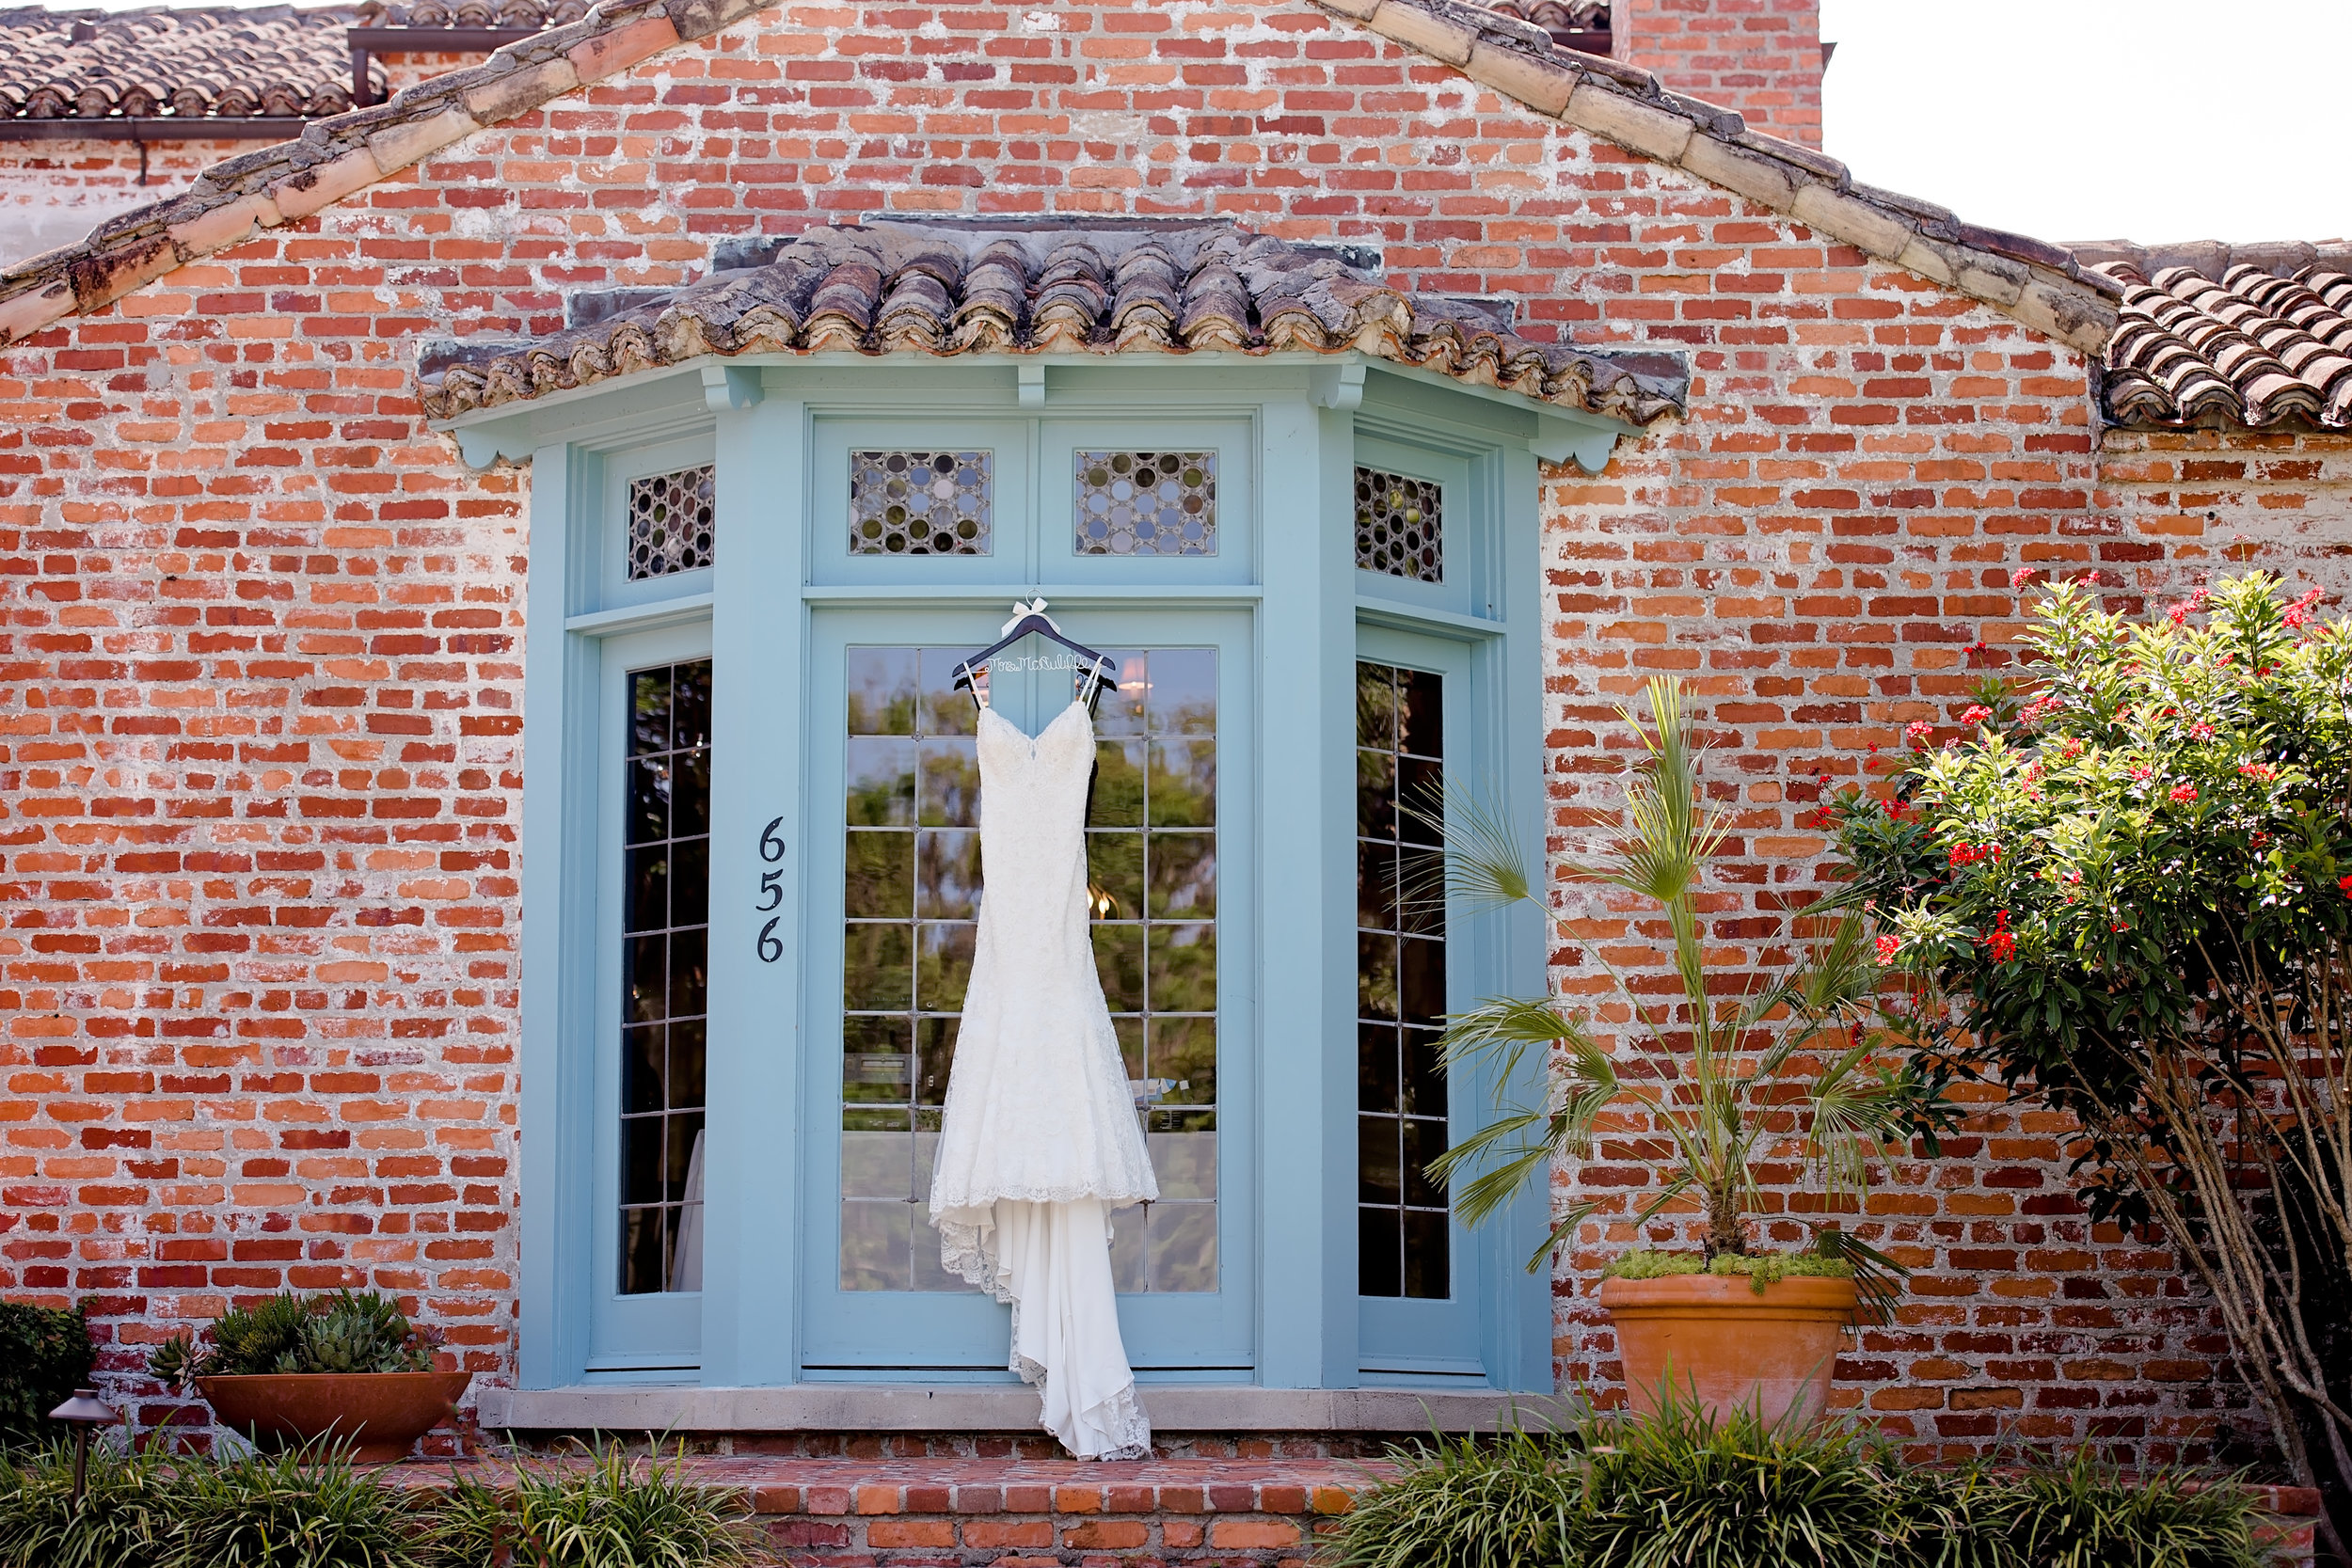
(1797, 1053)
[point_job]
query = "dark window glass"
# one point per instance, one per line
(666, 914)
(1400, 980)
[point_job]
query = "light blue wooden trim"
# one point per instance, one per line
(1519, 1304)
(1306, 791)
(1375, 612)
(1213, 596)
(726, 386)
(758, 645)
(641, 617)
(558, 879)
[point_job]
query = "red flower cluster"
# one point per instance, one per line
(2185, 793)
(2021, 577)
(2142, 774)
(2345, 884)
(2180, 612)
(1895, 807)
(1977, 713)
(1918, 733)
(2002, 945)
(2300, 611)
(1969, 854)
(2261, 772)
(1889, 947)
(2200, 731)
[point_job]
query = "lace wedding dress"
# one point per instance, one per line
(1039, 1141)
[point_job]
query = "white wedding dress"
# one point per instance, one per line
(1039, 1142)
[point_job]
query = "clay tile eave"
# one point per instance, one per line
(1206, 287)
(2210, 337)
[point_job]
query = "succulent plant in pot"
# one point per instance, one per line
(1744, 1066)
(345, 1364)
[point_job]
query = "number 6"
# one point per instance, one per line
(770, 948)
(770, 846)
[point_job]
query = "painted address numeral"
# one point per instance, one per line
(770, 892)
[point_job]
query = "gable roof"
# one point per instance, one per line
(333, 158)
(2249, 335)
(2039, 284)
(1113, 288)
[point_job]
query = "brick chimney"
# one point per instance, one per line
(1762, 57)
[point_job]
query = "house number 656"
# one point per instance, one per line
(770, 890)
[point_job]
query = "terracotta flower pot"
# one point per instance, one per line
(1723, 1346)
(382, 1414)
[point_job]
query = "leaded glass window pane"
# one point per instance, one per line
(670, 522)
(1147, 503)
(1400, 526)
(1403, 1234)
(665, 919)
(921, 502)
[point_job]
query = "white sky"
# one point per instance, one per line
(2095, 120)
(2089, 120)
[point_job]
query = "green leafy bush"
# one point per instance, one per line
(1682, 1491)
(346, 1332)
(45, 1353)
(311, 1508)
(2125, 890)
(298, 1508)
(126, 1520)
(615, 1513)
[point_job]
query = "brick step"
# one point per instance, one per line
(817, 1513)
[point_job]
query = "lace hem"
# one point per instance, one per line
(1121, 1418)
(966, 1251)
(1146, 1191)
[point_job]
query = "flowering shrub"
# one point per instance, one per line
(2132, 896)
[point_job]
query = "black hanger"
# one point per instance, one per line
(1099, 668)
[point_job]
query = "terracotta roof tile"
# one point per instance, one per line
(947, 289)
(2206, 337)
(1561, 18)
(269, 60)
(512, 14)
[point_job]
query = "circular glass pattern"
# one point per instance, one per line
(1145, 502)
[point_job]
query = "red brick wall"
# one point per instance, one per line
(260, 634)
(1762, 57)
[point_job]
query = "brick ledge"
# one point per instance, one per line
(964, 1408)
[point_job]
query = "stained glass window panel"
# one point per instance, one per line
(1145, 502)
(921, 502)
(1400, 526)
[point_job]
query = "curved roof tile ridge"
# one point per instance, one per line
(2217, 334)
(913, 287)
(186, 62)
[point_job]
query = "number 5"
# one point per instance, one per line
(770, 890)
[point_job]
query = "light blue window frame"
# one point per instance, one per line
(1285, 564)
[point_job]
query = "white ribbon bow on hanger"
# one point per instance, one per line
(1022, 610)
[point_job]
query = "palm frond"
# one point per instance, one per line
(1485, 864)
